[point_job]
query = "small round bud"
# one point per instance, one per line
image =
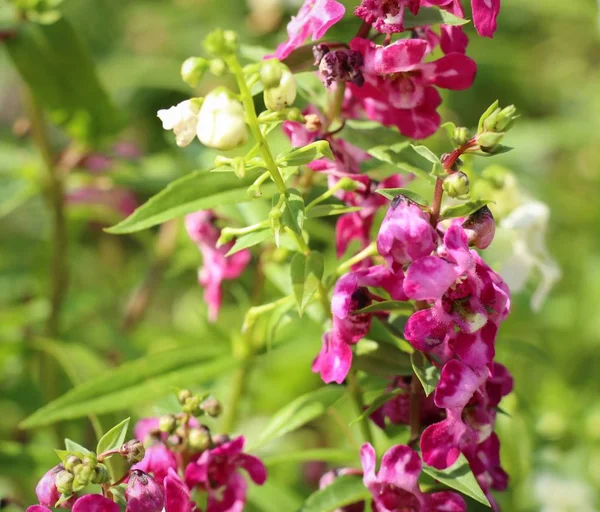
(192, 406)
(456, 184)
(71, 461)
(193, 69)
(480, 228)
(133, 450)
(199, 439)
(348, 184)
(506, 118)
(295, 114)
(64, 482)
(167, 423)
(221, 43)
(100, 475)
(82, 476)
(143, 493)
(461, 135)
(217, 67)
(222, 121)
(488, 141)
(489, 125)
(212, 407)
(313, 122)
(90, 459)
(271, 72)
(254, 191)
(282, 96)
(183, 395)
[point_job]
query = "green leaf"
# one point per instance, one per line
(386, 145)
(426, 153)
(326, 210)
(60, 72)
(137, 382)
(459, 477)
(381, 359)
(306, 273)
(199, 190)
(304, 155)
(487, 114)
(464, 209)
(293, 212)
(391, 193)
(334, 455)
(73, 447)
(299, 412)
(344, 491)
(388, 305)
(250, 240)
(114, 438)
(431, 16)
(273, 496)
(428, 374)
(498, 150)
(377, 403)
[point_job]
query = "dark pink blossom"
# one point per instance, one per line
(314, 19)
(485, 13)
(216, 266)
(216, 471)
(45, 490)
(386, 16)
(38, 508)
(95, 503)
(177, 494)
(157, 460)
(396, 485)
(143, 493)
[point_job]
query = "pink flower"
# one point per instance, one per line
(334, 359)
(157, 460)
(485, 13)
(216, 471)
(216, 267)
(314, 19)
(95, 503)
(405, 234)
(45, 490)
(38, 508)
(480, 228)
(177, 494)
(399, 87)
(143, 493)
(386, 16)
(396, 487)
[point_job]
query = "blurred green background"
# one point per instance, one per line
(545, 59)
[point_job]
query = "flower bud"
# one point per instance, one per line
(100, 475)
(271, 73)
(461, 135)
(217, 67)
(199, 439)
(282, 96)
(143, 493)
(46, 490)
(90, 460)
(489, 124)
(456, 184)
(193, 69)
(506, 118)
(221, 121)
(480, 228)
(71, 461)
(64, 485)
(183, 395)
(167, 423)
(133, 450)
(212, 407)
(488, 141)
(221, 43)
(82, 476)
(348, 184)
(192, 406)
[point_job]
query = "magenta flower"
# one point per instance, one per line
(95, 503)
(38, 508)
(485, 13)
(399, 87)
(157, 460)
(177, 494)
(143, 493)
(314, 19)
(45, 490)
(405, 234)
(216, 471)
(395, 487)
(216, 266)
(386, 16)
(334, 359)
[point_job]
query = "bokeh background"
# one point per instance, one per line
(545, 59)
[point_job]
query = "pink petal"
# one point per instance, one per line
(454, 71)
(368, 460)
(420, 122)
(401, 467)
(177, 495)
(334, 360)
(230, 499)
(477, 349)
(456, 243)
(403, 55)
(457, 385)
(255, 468)
(429, 278)
(38, 508)
(425, 329)
(95, 503)
(439, 442)
(454, 39)
(485, 13)
(447, 502)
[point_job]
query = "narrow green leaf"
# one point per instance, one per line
(72, 446)
(299, 412)
(431, 16)
(426, 153)
(391, 193)
(464, 209)
(306, 273)
(199, 190)
(250, 240)
(304, 155)
(344, 491)
(293, 212)
(388, 305)
(326, 210)
(382, 359)
(114, 438)
(377, 403)
(334, 455)
(137, 382)
(459, 477)
(428, 374)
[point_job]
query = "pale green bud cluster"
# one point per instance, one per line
(279, 84)
(493, 124)
(78, 473)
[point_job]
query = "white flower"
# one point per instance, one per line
(221, 122)
(556, 493)
(282, 96)
(528, 224)
(182, 119)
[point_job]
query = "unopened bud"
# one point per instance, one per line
(488, 141)
(282, 96)
(254, 191)
(133, 450)
(64, 482)
(100, 475)
(167, 423)
(45, 489)
(192, 406)
(312, 122)
(221, 121)
(348, 185)
(90, 459)
(461, 135)
(82, 477)
(221, 43)
(489, 124)
(226, 236)
(71, 461)
(295, 114)
(183, 395)
(271, 72)
(217, 67)
(480, 228)
(456, 184)
(199, 439)
(143, 493)
(193, 69)
(506, 118)
(212, 407)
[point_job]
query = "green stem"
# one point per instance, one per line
(357, 398)
(302, 245)
(325, 195)
(237, 391)
(370, 250)
(335, 106)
